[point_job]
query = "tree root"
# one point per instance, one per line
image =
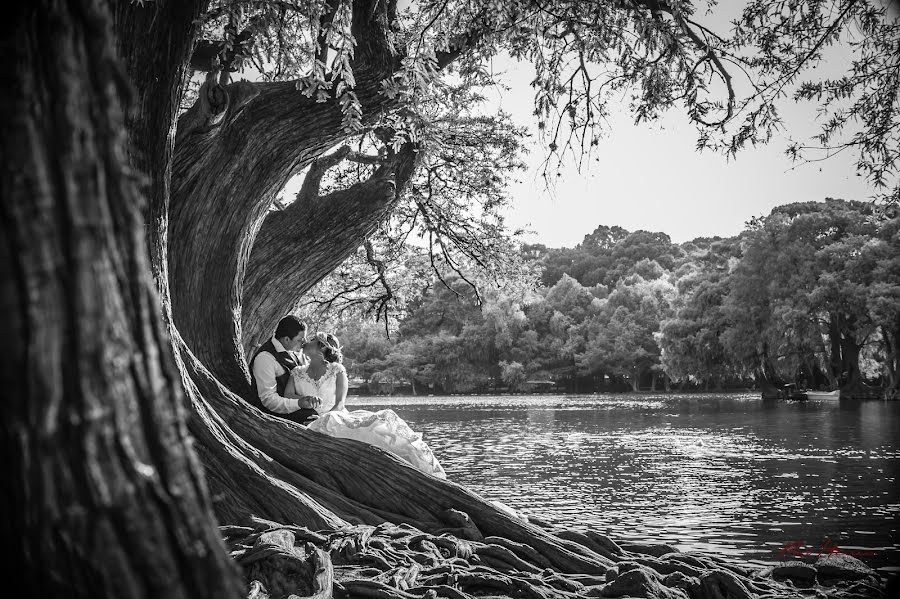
(400, 562)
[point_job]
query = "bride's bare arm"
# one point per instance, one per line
(340, 390)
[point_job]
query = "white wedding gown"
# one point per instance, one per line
(382, 429)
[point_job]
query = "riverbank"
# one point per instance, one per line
(398, 561)
(361, 391)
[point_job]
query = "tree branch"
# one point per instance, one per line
(296, 247)
(309, 191)
(365, 158)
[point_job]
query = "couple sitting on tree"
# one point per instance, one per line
(303, 379)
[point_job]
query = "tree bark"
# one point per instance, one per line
(235, 150)
(106, 497)
(851, 374)
(891, 340)
(834, 360)
(155, 41)
(766, 375)
(297, 247)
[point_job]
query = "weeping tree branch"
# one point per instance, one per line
(380, 305)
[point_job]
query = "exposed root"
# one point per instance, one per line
(400, 562)
(388, 531)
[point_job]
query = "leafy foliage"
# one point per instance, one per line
(807, 293)
(712, 318)
(586, 57)
(449, 219)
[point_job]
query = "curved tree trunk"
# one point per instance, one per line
(298, 246)
(235, 150)
(155, 41)
(223, 182)
(111, 497)
(107, 498)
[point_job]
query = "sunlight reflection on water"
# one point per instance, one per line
(725, 473)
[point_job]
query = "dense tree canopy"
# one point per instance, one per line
(120, 393)
(804, 295)
(729, 78)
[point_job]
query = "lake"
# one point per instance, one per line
(730, 474)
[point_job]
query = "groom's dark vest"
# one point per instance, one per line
(287, 361)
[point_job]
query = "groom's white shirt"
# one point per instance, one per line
(265, 369)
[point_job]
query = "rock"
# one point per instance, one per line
(640, 582)
(796, 571)
(604, 541)
(278, 566)
(679, 580)
(627, 566)
(723, 583)
(859, 589)
(762, 573)
(665, 567)
(685, 559)
(842, 566)
(654, 549)
(461, 523)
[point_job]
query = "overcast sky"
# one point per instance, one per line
(651, 177)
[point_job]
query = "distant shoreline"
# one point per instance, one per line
(641, 393)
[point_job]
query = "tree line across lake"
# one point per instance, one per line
(809, 294)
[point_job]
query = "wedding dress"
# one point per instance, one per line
(384, 428)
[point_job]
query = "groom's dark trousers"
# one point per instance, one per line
(286, 360)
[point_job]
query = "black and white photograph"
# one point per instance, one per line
(450, 299)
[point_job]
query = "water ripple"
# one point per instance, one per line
(729, 474)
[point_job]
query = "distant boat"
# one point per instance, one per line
(824, 395)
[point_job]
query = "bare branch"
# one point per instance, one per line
(309, 191)
(366, 158)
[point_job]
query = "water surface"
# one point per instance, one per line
(729, 474)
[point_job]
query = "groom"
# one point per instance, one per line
(271, 367)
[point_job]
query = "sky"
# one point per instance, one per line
(651, 177)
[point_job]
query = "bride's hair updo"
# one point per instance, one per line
(331, 349)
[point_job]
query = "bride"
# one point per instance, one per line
(326, 378)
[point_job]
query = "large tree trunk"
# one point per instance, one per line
(891, 340)
(845, 357)
(834, 358)
(235, 150)
(155, 41)
(109, 492)
(105, 496)
(853, 384)
(299, 246)
(766, 375)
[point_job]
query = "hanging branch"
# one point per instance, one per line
(380, 304)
